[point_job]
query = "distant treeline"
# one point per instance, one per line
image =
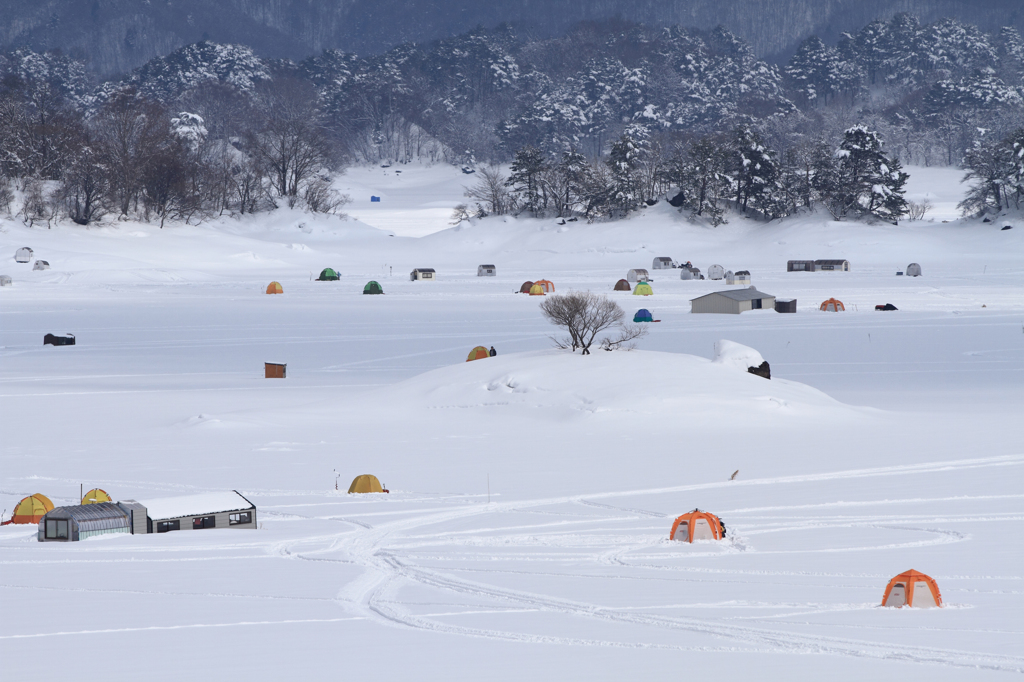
(596, 123)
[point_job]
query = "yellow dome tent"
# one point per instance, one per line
(537, 290)
(31, 509)
(478, 353)
(275, 288)
(643, 289)
(366, 483)
(95, 496)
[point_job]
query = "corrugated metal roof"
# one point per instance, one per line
(737, 294)
(87, 512)
(202, 504)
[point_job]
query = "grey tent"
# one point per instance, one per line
(41, 265)
(716, 272)
(689, 272)
(637, 275)
(913, 270)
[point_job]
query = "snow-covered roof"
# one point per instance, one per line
(738, 294)
(195, 505)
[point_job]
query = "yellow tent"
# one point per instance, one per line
(537, 290)
(478, 353)
(366, 483)
(643, 289)
(31, 509)
(96, 495)
(275, 288)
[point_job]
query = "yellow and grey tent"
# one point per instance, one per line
(275, 288)
(96, 495)
(643, 289)
(365, 483)
(31, 509)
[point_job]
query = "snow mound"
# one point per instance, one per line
(736, 355)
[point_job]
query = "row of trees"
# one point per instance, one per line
(703, 175)
(134, 157)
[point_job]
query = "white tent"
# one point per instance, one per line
(716, 272)
(41, 265)
(637, 275)
(913, 270)
(23, 255)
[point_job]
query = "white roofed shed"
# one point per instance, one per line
(227, 509)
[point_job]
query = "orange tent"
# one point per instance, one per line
(833, 305)
(549, 286)
(697, 525)
(478, 353)
(912, 588)
(31, 509)
(275, 288)
(525, 289)
(537, 290)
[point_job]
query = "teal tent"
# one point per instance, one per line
(643, 315)
(372, 288)
(328, 275)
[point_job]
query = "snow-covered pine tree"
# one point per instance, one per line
(524, 178)
(865, 181)
(754, 170)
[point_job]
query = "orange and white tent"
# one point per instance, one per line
(549, 286)
(833, 305)
(31, 509)
(697, 525)
(478, 353)
(912, 588)
(275, 288)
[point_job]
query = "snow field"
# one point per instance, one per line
(883, 442)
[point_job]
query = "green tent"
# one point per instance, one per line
(328, 275)
(372, 288)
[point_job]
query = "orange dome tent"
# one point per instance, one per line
(31, 509)
(275, 288)
(537, 290)
(697, 525)
(833, 305)
(525, 289)
(478, 353)
(95, 496)
(912, 588)
(366, 483)
(549, 286)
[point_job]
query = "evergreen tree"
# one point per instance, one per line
(864, 179)
(754, 170)
(524, 178)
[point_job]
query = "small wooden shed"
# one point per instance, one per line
(690, 272)
(785, 305)
(486, 271)
(23, 255)
(273, 370)
(663, 263)
(733, 301)
(422, 275)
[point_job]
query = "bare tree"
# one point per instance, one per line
(584, 315)
(490, 192)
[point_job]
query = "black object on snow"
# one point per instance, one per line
(54, 340)
(1007, 227)
(887, 306)
(492, 352)
(762, 370)
(678, 200)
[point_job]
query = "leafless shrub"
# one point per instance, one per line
(320, 197)
(629, 334)
(37, 205)
(584, 315)
(918, 209)
(6, 194)
(491, 193)
(460, 213)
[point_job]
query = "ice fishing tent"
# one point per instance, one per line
(365, 483)
(486, 271)
(478, 353)
(913, 270)
(78, 522)
(525, 289)
(95, 496)
(275, 288)
(622, 285)
(549, 286)
(914, 589)
(23, 255)
(689, 272)
(536, 290)
(832, 265)
(643, 315)
(220, 509)
(373, 288)
(54, 340)
(733, 301)
(716, 271)
(697, 525)
(6, 281)
(275, 370)
(31, 509)
(328, 275)
(663, 263)
(637, 275)
(41, 265)
(832, 305)
(739, 277)
(643, 289)
(422, 274)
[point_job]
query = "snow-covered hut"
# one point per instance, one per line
(422, 274)
(637, 275)
(832, 265)
(23, 255)
(41, 265)
(486, 271)
(81, 521)
(663, 263)
(6, 281)
(913, 270)
(738, 277)
(689, 272)
(227, 509)
(733, 301)
(716, 272)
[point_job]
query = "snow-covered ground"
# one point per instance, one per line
(525, 534)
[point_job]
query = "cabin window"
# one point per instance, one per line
(201, 522)
(239, 518)
(164, 526)
(755, 304)
(427, 275)
(828, 267)
(56, 529)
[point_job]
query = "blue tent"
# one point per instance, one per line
(643, 315)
